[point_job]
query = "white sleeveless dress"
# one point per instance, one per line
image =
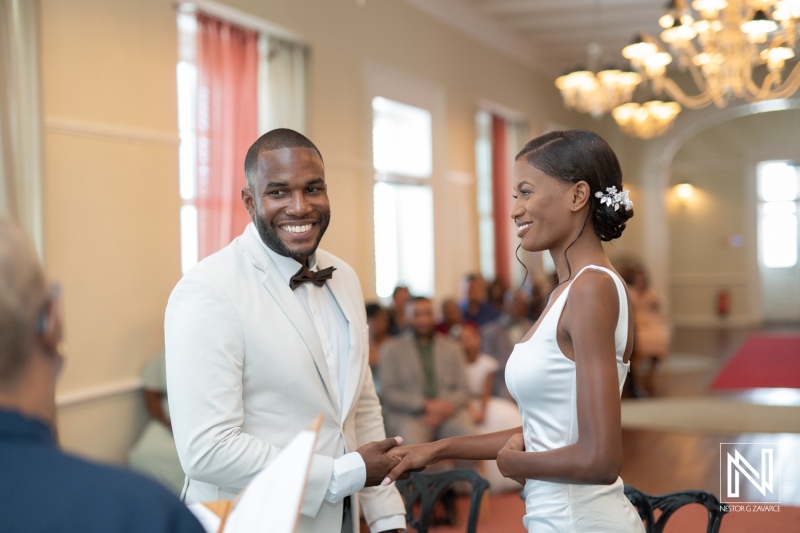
(542, 380)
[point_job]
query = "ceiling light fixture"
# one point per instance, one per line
(599, 93)
(721, 43)
(646, 120)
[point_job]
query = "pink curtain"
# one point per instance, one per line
(227, 124)
(501, 192)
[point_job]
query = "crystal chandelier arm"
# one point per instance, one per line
(697, 76)
(788, 87)
(692, 102)
(756, 93)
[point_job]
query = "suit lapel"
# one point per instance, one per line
(287, 301)
(355, 358)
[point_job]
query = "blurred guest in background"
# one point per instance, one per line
(154, 453)
(398, 321)
(540, 289)
(475, 307)
(424, 389)
(489, 412)
(499, 336)
(452, 318)
(651, 332)
(378, 322)
(496, 294)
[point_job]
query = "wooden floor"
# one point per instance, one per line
(659, 462)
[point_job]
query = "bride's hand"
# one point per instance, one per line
(505, 457)
(412, 459)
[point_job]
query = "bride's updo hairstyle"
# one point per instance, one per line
(582, 155)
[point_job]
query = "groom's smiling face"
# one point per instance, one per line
(289, 204)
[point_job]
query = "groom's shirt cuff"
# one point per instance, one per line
(349, 476)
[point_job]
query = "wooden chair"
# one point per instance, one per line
(646, 504)
(425, 490)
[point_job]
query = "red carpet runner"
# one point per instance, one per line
(763, 361)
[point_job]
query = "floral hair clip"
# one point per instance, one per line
(612, 197)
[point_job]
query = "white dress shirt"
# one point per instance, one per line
(349, 471)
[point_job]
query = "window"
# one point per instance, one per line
(778, 187)
(402, 158)
(499, 137)
(187, 153)
(238, 78)
(483, 171)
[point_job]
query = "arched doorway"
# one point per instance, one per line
(708, 244)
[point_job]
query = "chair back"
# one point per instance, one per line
(646, 504)
(425, 490)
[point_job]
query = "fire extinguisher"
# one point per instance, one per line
(723, 303)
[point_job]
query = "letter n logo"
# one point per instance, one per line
(756, 465)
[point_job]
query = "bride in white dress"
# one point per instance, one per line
(567, 373)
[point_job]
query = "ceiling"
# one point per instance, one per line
(552, 35)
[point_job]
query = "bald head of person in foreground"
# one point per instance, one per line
(47, 489)
(30, 328)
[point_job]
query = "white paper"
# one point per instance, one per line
(271, 501)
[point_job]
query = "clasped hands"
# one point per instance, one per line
(387, 461)
(381, 457)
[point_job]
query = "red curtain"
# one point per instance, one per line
(501, 206)
(227, 124)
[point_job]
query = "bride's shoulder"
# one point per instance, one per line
(594, 289)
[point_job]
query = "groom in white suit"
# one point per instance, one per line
(266, 334)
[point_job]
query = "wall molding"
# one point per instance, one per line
(706, 280)
(713, 321)
(99, 130)
(97, 393)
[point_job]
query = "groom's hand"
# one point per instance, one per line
(378, 463)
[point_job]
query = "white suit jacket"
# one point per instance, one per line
(246, 372)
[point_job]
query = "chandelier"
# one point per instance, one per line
(597, 94)
(588, 90)
(720, 43)
(646, 120)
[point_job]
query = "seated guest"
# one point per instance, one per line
(490, 413)
(452, 319)
(397, 310)
(500, 336)
(540, 289)
(424, 390)
(45, 489)
(378, 322)
(475, 308)
(651, 332)
(154, 453)
(496, 294)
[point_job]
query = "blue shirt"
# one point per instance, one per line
(46, 490)
(486, 313)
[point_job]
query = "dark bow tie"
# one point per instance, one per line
(318, 278)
